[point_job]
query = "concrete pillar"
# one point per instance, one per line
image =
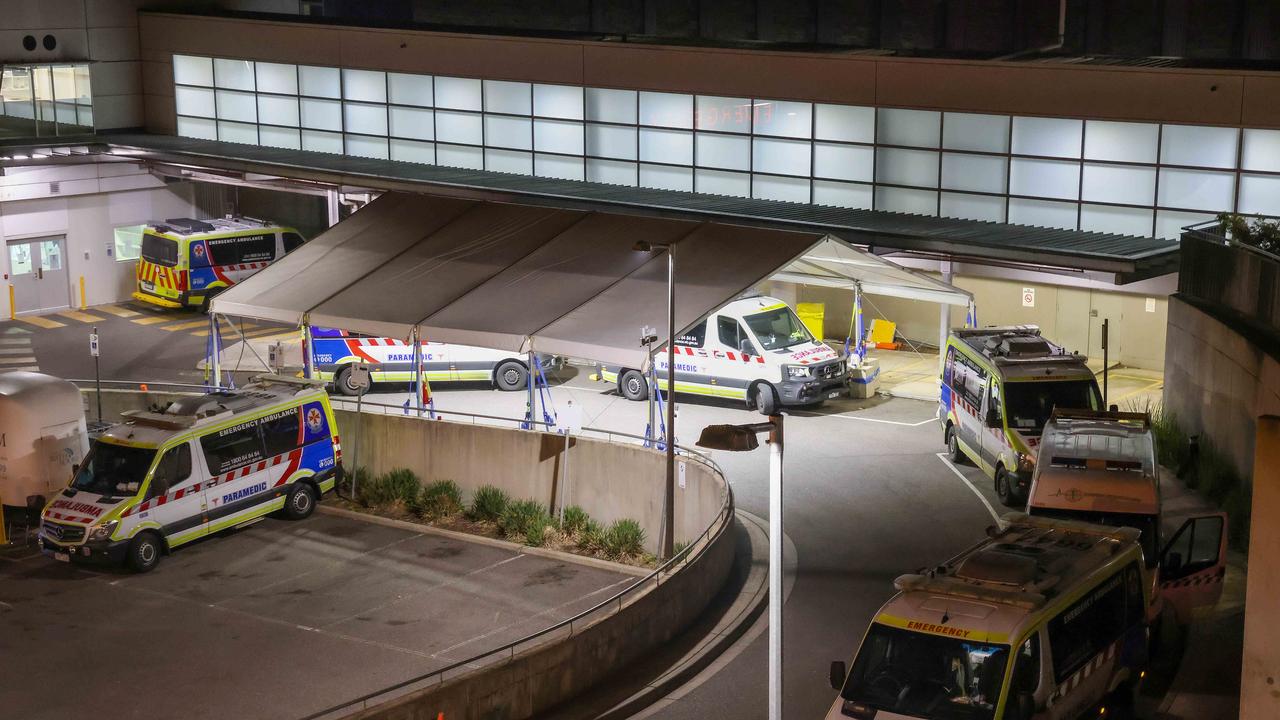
(334, 206)
(944, 317)
(1260, 671)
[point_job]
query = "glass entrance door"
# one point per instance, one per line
(38, 272)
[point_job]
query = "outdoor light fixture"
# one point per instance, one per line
(734, 438)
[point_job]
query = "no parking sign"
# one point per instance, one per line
(1028, 297)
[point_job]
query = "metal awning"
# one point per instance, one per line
(836, 263)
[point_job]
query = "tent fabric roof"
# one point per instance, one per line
(512, 277)
(835, 263)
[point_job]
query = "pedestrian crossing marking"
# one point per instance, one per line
(15, 341)
(117, 311)
(14, 330)
(152, 320)
(13, 360)
(15, 350)
(185, 325)
(78, 316)
(32, 368)
(39, 321)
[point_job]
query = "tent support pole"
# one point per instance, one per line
(216, 350)
(857, 322)
(944, 322)
(308, 359)
(669, 521)
(417, 370)
(533, 393)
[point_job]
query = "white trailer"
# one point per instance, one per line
(42, 437)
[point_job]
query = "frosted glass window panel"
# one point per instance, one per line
(323, 82)
(1051, 137)
(411, 122)
(197, 128)
(558, 166)
(458, 94)
(1042, 213)
(1044, 178)
(280, 137)
(370, 147)
(843, 162)
(460, 156)
(406, 89)
(672, 110)
(1261, 150)
(509, 132)
(238, 132)
(364, 85)
(917, 128)
(320, 114)
(728, 152)
(722, 182)
(508, 161)
(972, 207)
(907, 167)
(916, 202)
(278, 110)
(320, 141)
(981, 173)
(1110, 219)
(237, 106)
(665, 177)
(1260, 194)
(189, 70)
(840, 194)
(666, 146)
(1127, 184)
(784, 119)
(512, 98)
(277, 78)
(233, 74)
(846, 123)
(1199, 146)
(423, 153)
(781, 157)
(615, 106)
(1197, 189)
(365, 119)
(558, 136)
(558, 101)
(723, 114)
(786, 189)
(458, 127)
(193, 101)
(611, 141)
(612, 172)
(972, 131)
(1121, 141)
(1169, 223)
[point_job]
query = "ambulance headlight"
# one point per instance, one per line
(103, 531)
(797, 371)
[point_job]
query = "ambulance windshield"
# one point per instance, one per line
(113, 470)
(927, 675)
(778, 328)
(1031, 403)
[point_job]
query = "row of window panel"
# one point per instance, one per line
(61, 112)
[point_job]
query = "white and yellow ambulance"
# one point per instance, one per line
(1043, 620)
(999, 387)
(753, 349)
(204, 464)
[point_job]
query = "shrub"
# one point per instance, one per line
(399, 485)
(520, 516)
(489, 503)
(679, 548)
(590, 536)
(538, 529)
(360, 475)
(625, 537)
(575, 519)
(439, 499)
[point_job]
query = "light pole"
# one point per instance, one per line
(742, 438)
(669, 502)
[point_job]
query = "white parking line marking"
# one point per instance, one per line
(956, 470)
(863, 419)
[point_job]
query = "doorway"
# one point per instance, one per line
(38, 272)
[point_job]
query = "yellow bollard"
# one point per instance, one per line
(4, 538)
(82, 305)
(13, 313)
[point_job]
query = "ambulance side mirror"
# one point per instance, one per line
(746, 347)
(838, 671)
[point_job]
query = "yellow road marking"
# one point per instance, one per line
(117, 311)
(38, 321)
(78, 316)
(1139, 391)
(228, 332)
(152, 320)
(185, 325)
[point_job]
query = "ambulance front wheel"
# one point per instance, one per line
(765, 398)
(144, 552)
(1004, 488)
(511, 376)
(300, 502)
(342, 382)
(632, 385)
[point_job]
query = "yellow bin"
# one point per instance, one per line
(811, 314)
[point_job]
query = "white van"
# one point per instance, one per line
(42, 434)
(754, 349)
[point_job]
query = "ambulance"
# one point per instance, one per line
(1100, 467)
(185, 262)
(1042, 620)
(754, 349)
(999, 388)
(204, 464)
(333, 352)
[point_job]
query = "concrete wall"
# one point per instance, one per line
(1217, 382)
(610, 481)
(1259, 693)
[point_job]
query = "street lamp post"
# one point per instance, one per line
(743, 438)
(669, 497)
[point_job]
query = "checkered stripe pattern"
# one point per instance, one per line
(293, 457)
(245, 266)
(1094, 665)
(67, 517)
(729, 354)
(1214, 579)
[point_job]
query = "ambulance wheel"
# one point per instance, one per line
(144, 552)
(300, 502)
(342, 383)
(1004, 488)
(953, 446)
(511, 376)
(632, 385)
(765, 399)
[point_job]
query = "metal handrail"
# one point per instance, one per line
(137, 384)
(1213, 230)
(412, 411)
